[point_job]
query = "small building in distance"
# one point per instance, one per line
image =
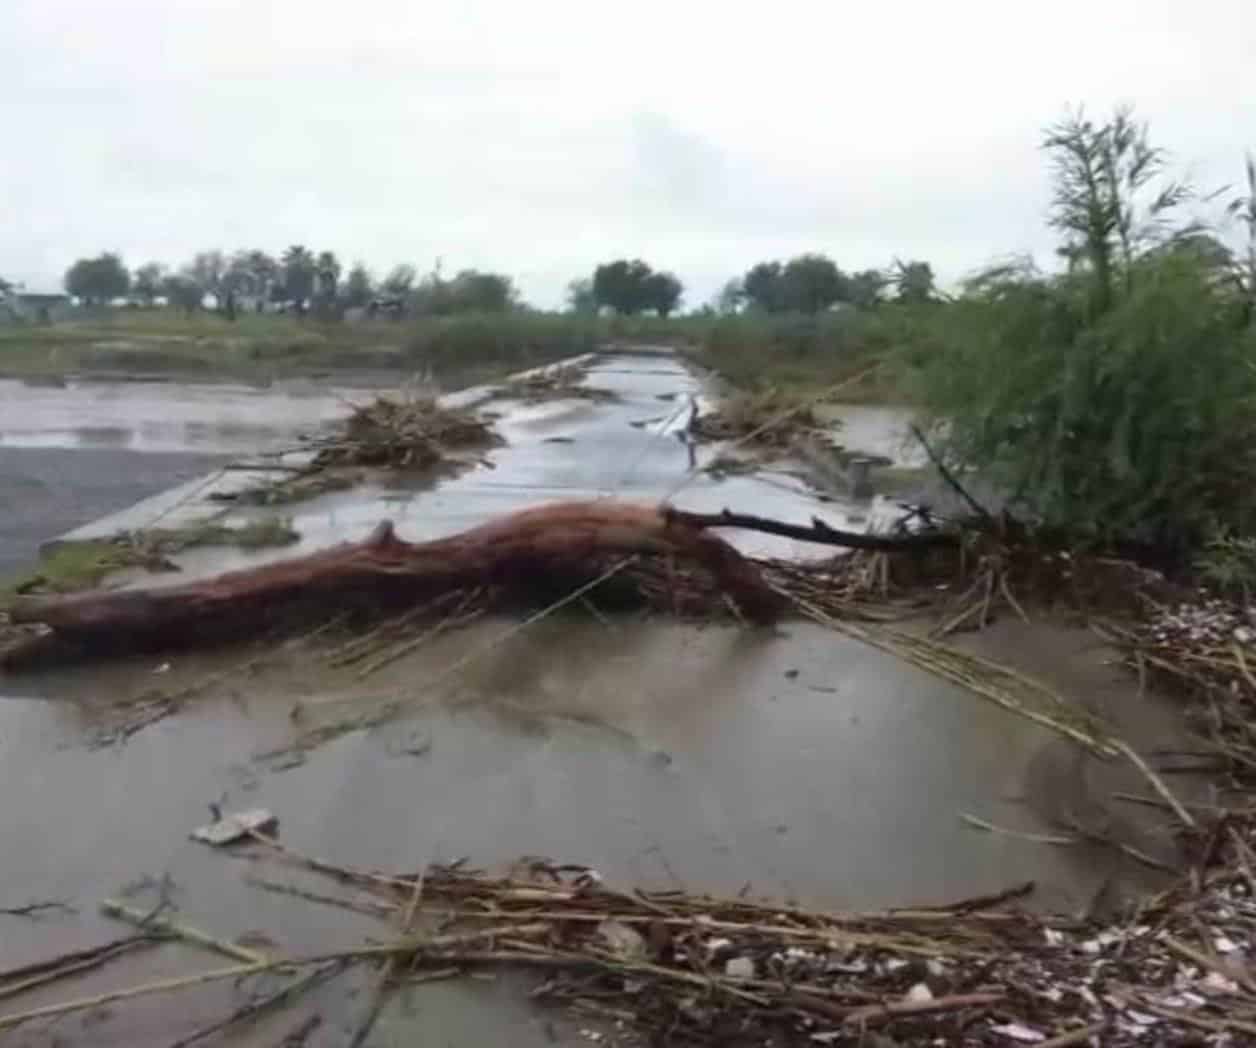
(20, 306)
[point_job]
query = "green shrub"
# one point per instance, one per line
(1116, 402)
(1135, 425)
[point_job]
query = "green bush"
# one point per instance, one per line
(1138, 424)
(810, 353)
(1115, 403)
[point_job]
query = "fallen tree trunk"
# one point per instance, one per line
(532, 552)
(535, 555)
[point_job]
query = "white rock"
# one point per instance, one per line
(1224, 945)
(739, 968)
(894, 964)
(918, 994)
(1053, 937)
(1185, 999)
(624, 941)
(1215, 982)
(1019, 1032)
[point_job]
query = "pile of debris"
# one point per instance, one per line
(567, 382)
(667, 967)
(414, 433)
(767, 420)
(1206, 650)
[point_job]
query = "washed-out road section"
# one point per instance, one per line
(795, 763)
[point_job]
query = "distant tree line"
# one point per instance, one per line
(813, 283)
(301, 280)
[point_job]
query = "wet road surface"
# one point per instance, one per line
(795, 764)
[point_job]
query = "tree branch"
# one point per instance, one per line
(949, 477)
(817, 531)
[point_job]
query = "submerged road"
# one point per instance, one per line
(796, 764)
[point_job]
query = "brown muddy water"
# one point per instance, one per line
(795, 764)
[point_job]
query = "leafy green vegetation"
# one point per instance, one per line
(1115, 402)
(1228, 564)
(847, 350)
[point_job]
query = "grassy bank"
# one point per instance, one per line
(797, 353)
(790, 351)
(457, 350)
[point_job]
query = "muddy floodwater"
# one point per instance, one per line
(794, 763)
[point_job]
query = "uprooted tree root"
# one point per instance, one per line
(667, 967)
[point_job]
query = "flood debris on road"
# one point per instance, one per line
(770, 419)
(670, 967)
(416, 432)
(562, 382)
(1204, 648)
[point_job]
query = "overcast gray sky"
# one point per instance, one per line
(540, 138)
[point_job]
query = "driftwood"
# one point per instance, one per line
(537, 551)
(537, 554)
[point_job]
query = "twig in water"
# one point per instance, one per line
(369, 907)
(387, 972)
(1036, 838)
(68, 964)
(968, 906)
(455, 618)
(174, 929)
(252, 1009)
(237, 971)
(1157, 783)
(949, 477)
(342, 873)
(299, 1034)
(34, 909)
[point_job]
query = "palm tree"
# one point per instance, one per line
(299, 269)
